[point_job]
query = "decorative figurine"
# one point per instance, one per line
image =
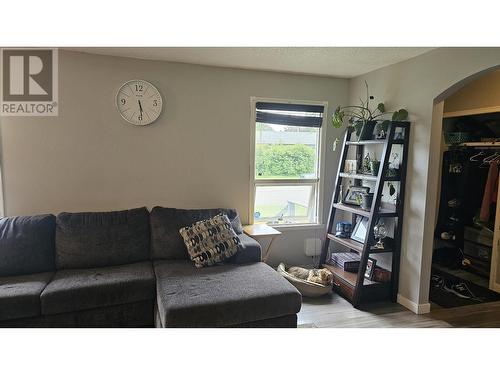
(366, 163)
(380, 232)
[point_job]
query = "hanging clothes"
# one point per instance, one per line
(490, 192)
(462, 189)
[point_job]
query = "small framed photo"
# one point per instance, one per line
(351, 166)
(399, 134)
(354, 193)
(370, 268)
(360, 230)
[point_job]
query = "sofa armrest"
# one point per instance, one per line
(250, 251)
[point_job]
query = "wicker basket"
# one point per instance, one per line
(454, 138)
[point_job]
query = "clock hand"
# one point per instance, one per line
(140, 106)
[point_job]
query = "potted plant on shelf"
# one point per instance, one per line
(362, 119)
(374, 166)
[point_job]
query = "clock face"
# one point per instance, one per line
(139, 102)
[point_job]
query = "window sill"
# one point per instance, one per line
(290, 227)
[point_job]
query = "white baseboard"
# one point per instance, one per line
(416, 308)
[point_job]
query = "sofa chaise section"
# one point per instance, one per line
(241, 292)
(223, 295)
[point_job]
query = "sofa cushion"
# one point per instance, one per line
(100, 239)
(81, 289)
(20, 295)
(27, 244)
(166, 242)
(210, 241)
(249, 251)
(222, 295)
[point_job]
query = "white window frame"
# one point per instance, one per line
(321, 163)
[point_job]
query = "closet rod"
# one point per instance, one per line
(479, 144)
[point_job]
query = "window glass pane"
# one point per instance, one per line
(286, 152)
(285, 204)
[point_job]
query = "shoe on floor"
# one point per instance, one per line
(452, 203)
(437, 281)
(461, 290)
(448, 236)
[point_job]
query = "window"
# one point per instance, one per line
(286, 165)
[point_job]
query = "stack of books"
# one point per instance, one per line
(349, 262)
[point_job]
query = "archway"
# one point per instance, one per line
(434, 174)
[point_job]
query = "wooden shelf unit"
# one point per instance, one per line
(354, 286)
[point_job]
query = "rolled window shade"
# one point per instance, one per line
(290, 114)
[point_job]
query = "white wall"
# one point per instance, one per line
(195, 155)
(414, 84)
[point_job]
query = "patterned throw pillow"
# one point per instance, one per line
(210, 241)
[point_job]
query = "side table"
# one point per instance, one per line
(257, 231)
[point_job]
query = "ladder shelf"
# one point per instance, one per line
(354, 286)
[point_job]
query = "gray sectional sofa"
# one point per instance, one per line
(131, 269)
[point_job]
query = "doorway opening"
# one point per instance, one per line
(466, 238)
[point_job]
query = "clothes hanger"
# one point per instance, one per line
(494, 160)
(491, 158)
(473, 157)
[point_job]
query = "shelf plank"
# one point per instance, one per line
(374, 250)
(348, 277)
(374, 142)
(471, 112)
(478, 144)
(367, 142)
(351, 208)
(382, 212)
(355, 245)
(347, 242)
(393, 179)
(358, 176)
(366, 177)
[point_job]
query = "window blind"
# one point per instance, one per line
(290, 114)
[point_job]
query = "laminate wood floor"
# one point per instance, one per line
(332, 311)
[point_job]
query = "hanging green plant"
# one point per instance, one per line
(358, 116)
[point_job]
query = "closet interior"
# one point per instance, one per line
(467, 230)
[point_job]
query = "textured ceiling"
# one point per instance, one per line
(343, 62)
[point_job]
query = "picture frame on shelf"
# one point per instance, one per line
(351, 166)
(354, 193)
(370, 268)
(360, 230)
(399, 134)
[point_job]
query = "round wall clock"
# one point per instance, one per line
(139, 102)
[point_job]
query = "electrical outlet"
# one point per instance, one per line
(313, 247)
